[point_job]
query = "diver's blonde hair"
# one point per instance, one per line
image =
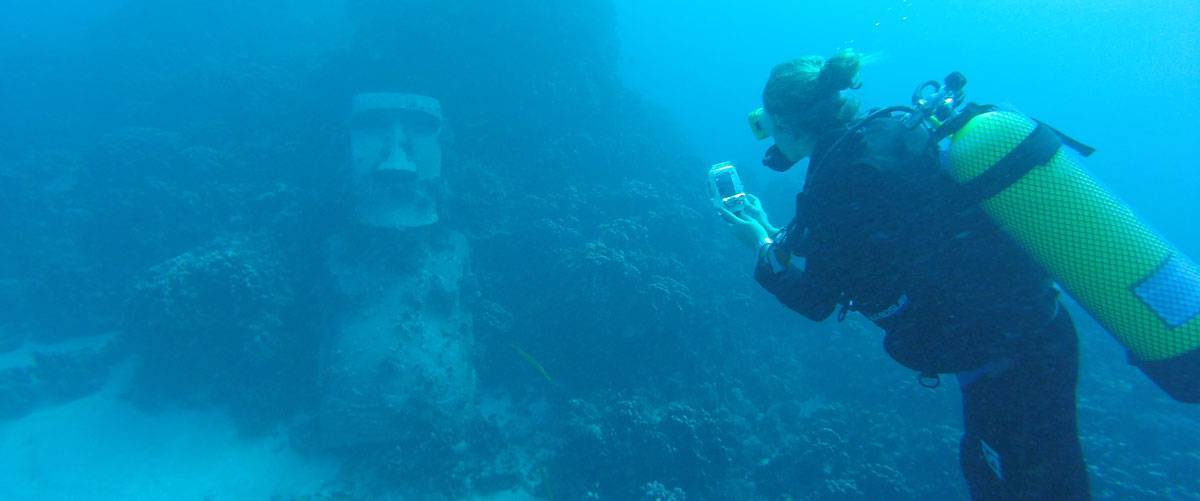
(805, 94)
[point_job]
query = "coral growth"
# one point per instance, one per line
(209, 327)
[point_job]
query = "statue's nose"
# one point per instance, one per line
(397, 161)
(396, 154)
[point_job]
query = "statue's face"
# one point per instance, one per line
(397, 159)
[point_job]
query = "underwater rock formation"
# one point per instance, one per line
(618, 451)
(42, 374)
(208, 328)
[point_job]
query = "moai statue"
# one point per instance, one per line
(397, 159)
(397, 361)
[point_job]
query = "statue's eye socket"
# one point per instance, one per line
(373, 121)
(413, 123)
(418, 124)
(422, 128)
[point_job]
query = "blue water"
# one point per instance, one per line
(192, 307)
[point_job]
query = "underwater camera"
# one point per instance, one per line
(726, 187)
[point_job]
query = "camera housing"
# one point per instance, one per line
(726, 187)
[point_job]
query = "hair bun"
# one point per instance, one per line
(840, 72)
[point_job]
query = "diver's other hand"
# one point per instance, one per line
(746, 229)
(753, 208)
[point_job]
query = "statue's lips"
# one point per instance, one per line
(384, 175)
(398, 182)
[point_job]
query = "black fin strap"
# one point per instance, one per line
(1036, 149)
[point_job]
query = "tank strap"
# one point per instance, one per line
(1036, 149)
(972, 110)
(1074, 144)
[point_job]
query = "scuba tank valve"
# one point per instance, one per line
(937, 102)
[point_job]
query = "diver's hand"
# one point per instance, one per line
(753, 208)
(745, 228)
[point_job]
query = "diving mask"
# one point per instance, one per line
(762, 127)
(761, 124)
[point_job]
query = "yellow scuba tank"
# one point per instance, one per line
(1143, 291)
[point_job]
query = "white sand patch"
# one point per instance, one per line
(101, 448)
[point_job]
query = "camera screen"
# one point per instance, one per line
(725, 185)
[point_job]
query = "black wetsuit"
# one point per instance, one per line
(882, 232)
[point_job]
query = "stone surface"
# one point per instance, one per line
(398, 361)
(397, 159)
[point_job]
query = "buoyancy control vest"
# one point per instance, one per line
(883, 222)
(883, 226)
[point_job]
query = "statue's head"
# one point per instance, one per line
(397, 159)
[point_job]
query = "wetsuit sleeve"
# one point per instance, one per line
(780, 274)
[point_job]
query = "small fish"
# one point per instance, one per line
(531, 361)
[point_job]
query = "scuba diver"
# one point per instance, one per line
(881, 229)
